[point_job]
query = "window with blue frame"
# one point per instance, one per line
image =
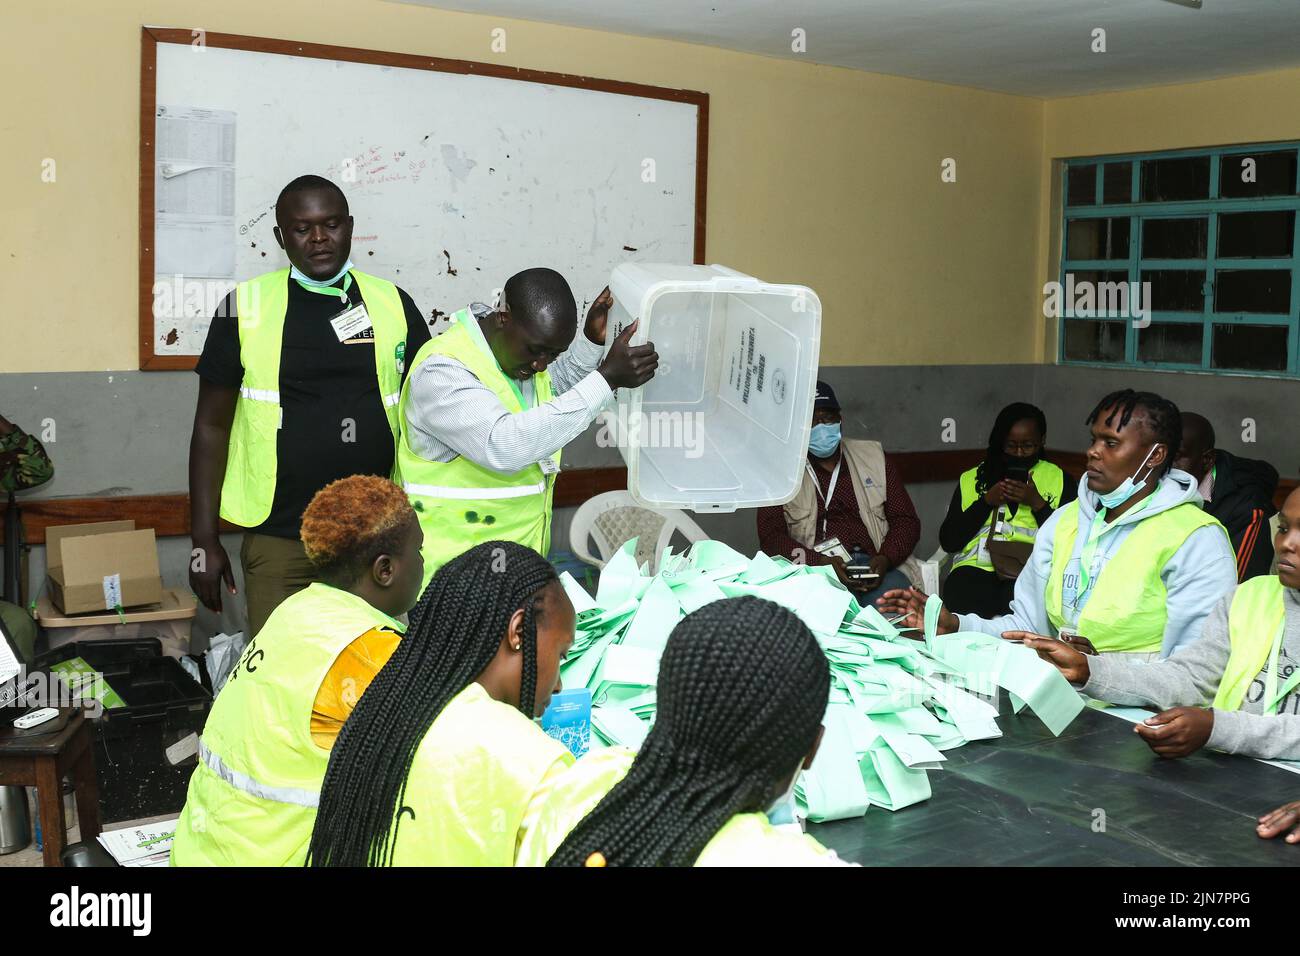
(1183, 260)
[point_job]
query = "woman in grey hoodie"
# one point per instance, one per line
(1233, 688)
(1133, 566)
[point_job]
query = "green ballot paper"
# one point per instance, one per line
(895, 704)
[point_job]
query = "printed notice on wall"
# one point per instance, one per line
(194, 223)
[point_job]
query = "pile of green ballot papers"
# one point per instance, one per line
(896, 703)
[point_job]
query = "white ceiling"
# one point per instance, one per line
(1032, 47)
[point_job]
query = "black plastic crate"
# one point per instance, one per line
(164, 706)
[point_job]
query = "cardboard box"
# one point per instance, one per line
(168, 622)
(96, 567)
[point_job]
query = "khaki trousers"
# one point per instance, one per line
(274, 568)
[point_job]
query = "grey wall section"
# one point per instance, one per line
(116, 433)
(127, 433)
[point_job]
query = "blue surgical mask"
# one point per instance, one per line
(825, 439)
(296, 273)
(782, 809)
(1127, 488)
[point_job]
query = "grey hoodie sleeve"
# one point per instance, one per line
(1270, 736)
(1187, 678)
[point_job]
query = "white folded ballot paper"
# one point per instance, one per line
(148, 845)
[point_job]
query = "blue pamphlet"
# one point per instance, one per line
(568, 719)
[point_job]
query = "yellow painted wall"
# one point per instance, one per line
(1247, 109)
(817, 175)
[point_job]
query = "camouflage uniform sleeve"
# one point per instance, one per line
(23, 462)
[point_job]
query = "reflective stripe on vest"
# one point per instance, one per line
(1020, 525)
(252, 799)
(464, 494)
(1254, 616)
(459, 502)
(248, 487)
(242, 781)
(1125, 610)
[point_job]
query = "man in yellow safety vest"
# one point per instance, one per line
(298, 387)
(491, 402)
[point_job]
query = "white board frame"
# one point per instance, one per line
(151, 37)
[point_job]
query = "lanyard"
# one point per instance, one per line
(1273, 696)
(1089, 553)
(519, 392)
(830, 490)
(331, 290)
(1087, 556)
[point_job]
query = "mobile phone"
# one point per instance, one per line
(1017, 473)
(861, 573)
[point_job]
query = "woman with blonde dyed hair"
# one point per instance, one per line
(252, 799)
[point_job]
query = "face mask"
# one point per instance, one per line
(1127, 489)
(825, 439)
(782, 809)
(1016, 460)
(296, 273)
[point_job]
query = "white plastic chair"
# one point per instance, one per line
(614, 518)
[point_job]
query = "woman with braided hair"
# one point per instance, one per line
(742, 690)
(1014, 488)
(441, 763)
(267, 742)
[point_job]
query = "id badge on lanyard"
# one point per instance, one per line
(830, 493)
(1087, 573)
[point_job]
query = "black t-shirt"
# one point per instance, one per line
(334, 422)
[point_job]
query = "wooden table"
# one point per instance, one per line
(42, 761)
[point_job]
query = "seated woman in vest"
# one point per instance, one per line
(441, 764)
(267, 742)
(1014, 483)
(1244, 666)
(851, 510)
(741, 694)
(1132, 565)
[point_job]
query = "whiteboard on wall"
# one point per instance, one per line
(457, 174)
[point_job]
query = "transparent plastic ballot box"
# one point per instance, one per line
(724, 423)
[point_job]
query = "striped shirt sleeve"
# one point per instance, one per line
(451, 413)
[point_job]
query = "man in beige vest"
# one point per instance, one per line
(851, 511)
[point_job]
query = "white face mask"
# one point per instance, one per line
(1127, 488)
